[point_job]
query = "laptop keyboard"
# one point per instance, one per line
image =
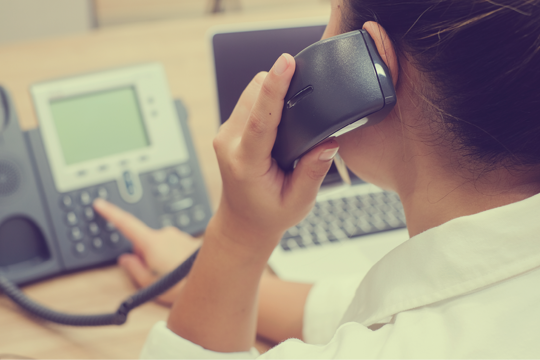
(346, 218)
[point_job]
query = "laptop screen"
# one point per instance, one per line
(240, 55)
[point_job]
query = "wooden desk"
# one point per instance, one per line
(184, 50)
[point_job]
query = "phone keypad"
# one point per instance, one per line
(174, 189)
(86, 229)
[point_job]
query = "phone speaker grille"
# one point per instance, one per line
(9, 178)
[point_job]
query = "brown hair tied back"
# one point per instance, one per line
(482, 59)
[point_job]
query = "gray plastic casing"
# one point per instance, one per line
(37, 201)
(349, 81)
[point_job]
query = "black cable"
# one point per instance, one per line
(118, 318)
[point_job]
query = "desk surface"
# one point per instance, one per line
(183, 48)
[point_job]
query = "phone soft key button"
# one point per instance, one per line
(162, 190)
(159, 176)
(179, 205)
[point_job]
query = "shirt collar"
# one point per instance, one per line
(460, 256)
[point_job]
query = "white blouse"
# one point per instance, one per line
(469, 288)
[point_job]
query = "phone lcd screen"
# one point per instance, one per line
(99, 124)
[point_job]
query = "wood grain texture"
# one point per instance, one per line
(114, 12)
(183, 48)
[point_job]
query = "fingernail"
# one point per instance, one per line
(281, 65)
(328, 154)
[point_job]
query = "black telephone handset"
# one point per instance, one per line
(27, 247)
(340, 83)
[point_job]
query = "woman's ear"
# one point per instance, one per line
(384, 47)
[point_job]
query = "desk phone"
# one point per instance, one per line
(115, 134)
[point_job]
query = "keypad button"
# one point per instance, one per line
(187, 184)
(89, 214)
(173, 179)
(67, 202)
(93, 228)
(159, 176)
(76, 234)
(114, 238)
(183, 220)
(97, 243)
(85, 198)
(162, 190)
(183, 170)
(71, 218)
(102, 193)
(109, 226)
(166, 221)
(179, 205)
(80, 249)
(199, 214)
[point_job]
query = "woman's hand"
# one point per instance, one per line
(156, 252)
(258, 197)
(217, 307)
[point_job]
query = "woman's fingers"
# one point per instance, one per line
(133, 229)
(137, 269)
(308, 175)
(261, 127)
(242, 109)
(143, 276)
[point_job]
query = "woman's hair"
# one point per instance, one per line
(482, 61)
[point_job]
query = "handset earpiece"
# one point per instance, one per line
(339, 84)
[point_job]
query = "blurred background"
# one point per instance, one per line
(23, 20)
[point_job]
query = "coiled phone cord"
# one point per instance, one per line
(118, 318)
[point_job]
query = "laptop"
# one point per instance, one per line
(351, 226)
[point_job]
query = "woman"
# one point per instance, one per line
(461, 149)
